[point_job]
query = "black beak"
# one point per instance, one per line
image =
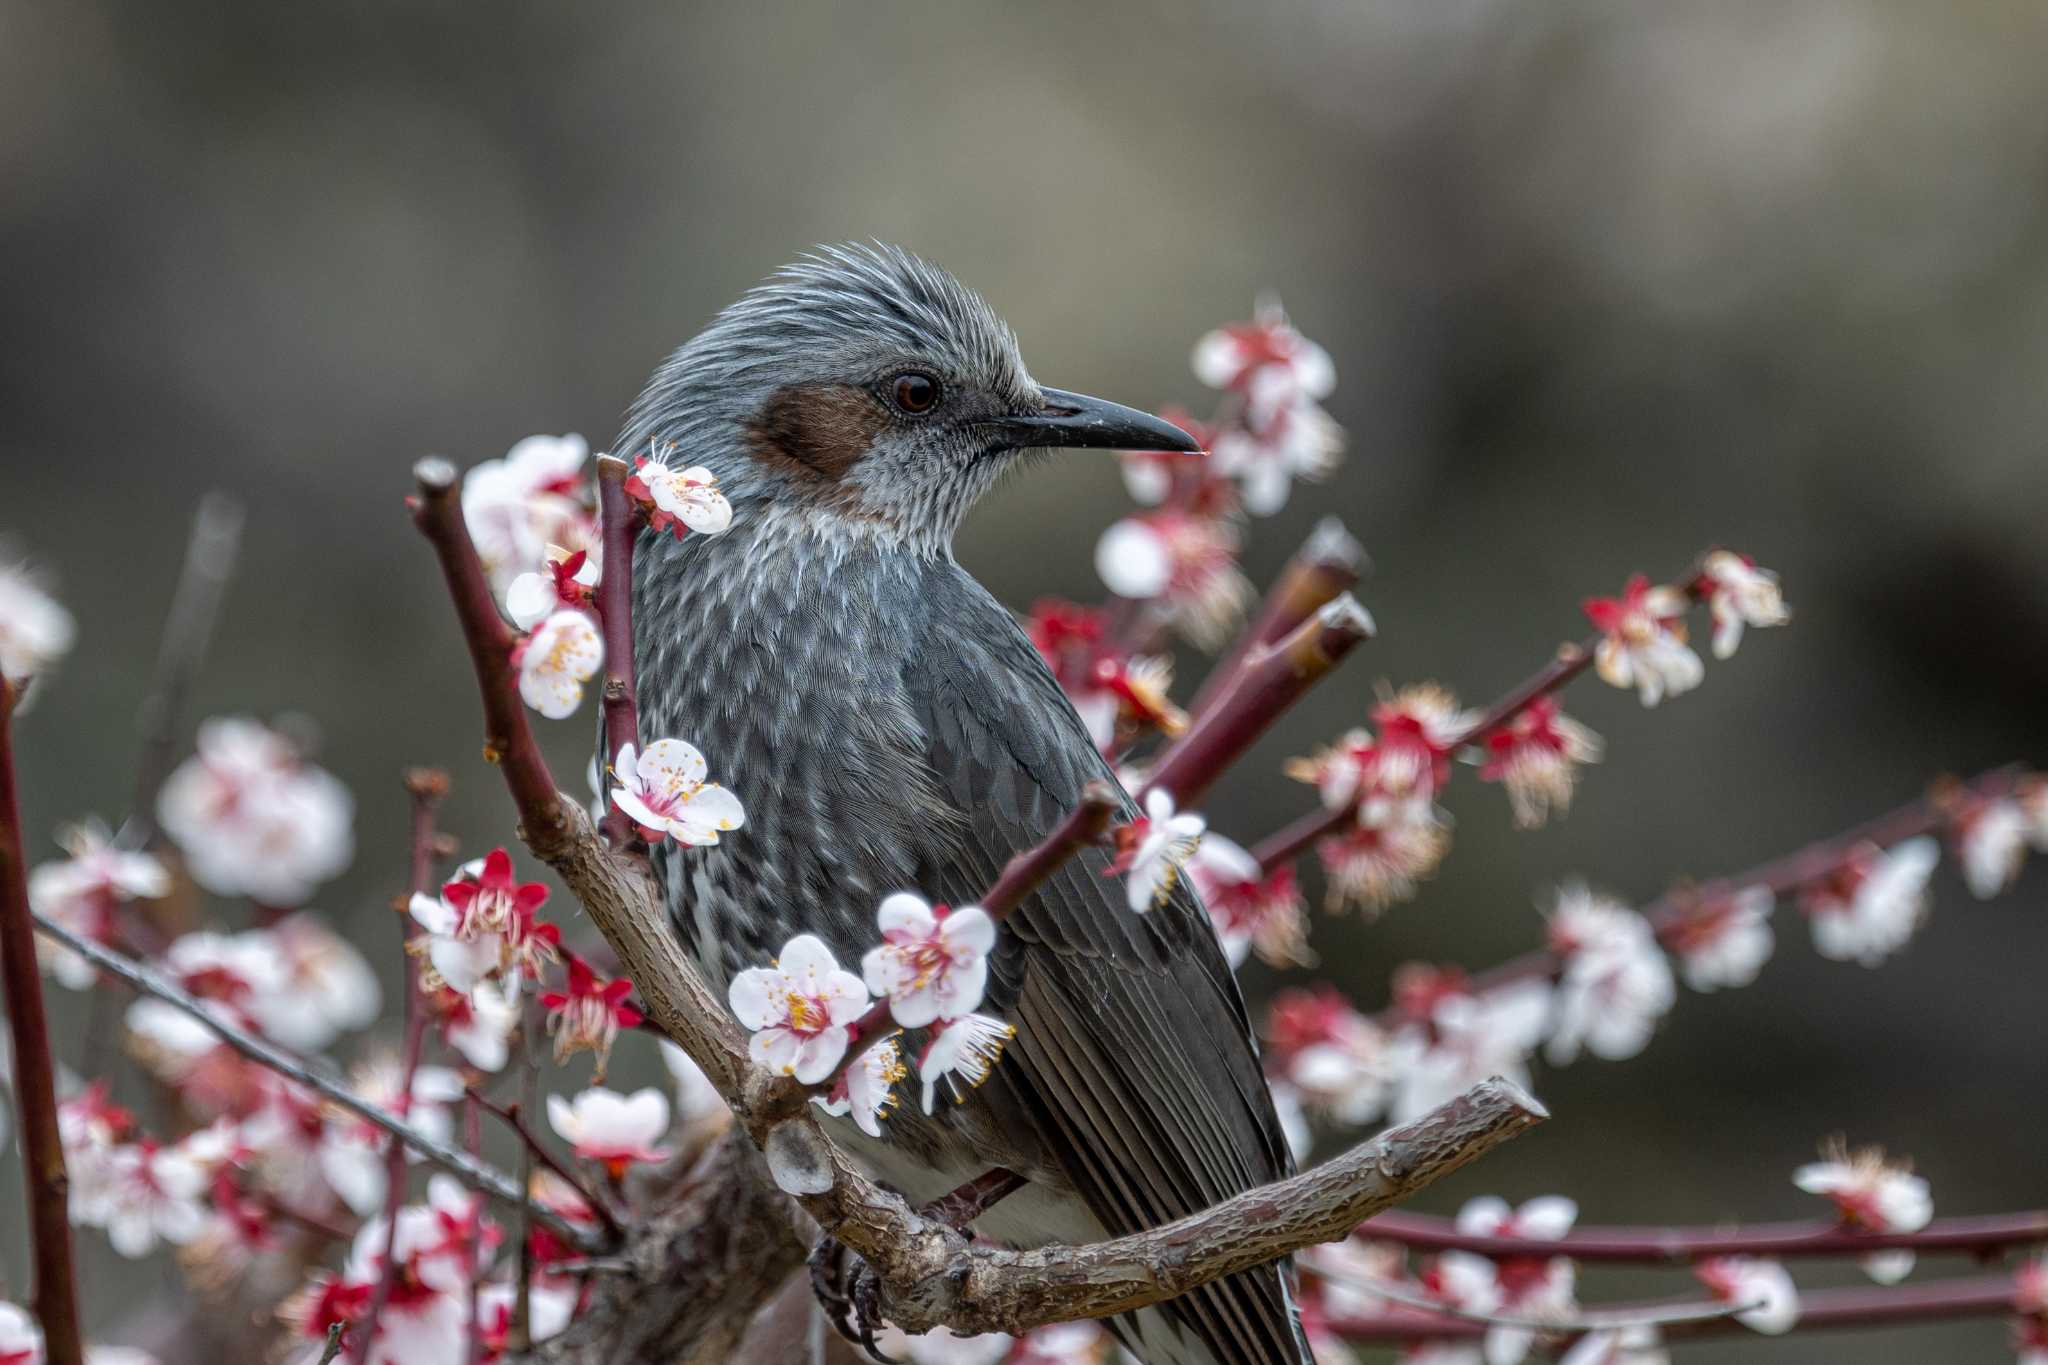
(1072, 421)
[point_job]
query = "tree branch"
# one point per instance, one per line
(35, 1084)
(1979, 1236)
(1328, 563)
(476, 1174)
(1264, 683)
(615, 613)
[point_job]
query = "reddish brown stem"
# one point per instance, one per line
(55, 1294)
(1083, 826)
(1968, 1236)
(426, 787)
(1327, 564)
(1819, 1309)
(508, 738)
(1268, 680)
(615, 613)
(512, 1117)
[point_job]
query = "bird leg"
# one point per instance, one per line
(851, 1293)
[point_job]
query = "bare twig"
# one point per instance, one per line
(1328, 563)
(209, 563)
(520, 1334)
(615, 614)
(1970, 1236)
(426, 787)
(1268, 680)
(55, 1294)
(332, 1350)
(476, 1174)
(1583, 1320)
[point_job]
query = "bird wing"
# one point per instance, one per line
(1134, 1058)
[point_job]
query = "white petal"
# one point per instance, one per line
(1133, 560)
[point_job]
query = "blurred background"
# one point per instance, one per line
(1603, 285)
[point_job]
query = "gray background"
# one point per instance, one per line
(1603, 284)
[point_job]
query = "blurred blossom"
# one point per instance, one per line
(612, 1129)
(1294, 441)
(1374, 867)
(83, 892)
(21, 1341)
(1336, 1060)
(1184, 564)
(253, 818)
(1616, 983)
(517, 506)
(1525, 1287)
(696, 1098)
(1064, 1343)
(1639, 1344)
(1868, 908)
(1725, 941)
(565, 579)
(35, 632)
(1266, 361)
(1764, 1284)
(1460, 1039)
(1119, 696)
(563, 653)
(1990, 842)
(151, 1193)
(941, 1346)
(329, 988)
(1871, 1193)
(1252, 911)
(1643, 641)
(1740, 594)
(1537, 756)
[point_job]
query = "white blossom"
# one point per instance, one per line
(1642, 641)
(1741, 594)
(517, 506)
(1726, 942)
(1762, 1284)
(1870, 909)
(82, 893)
(1991, 842)
(563, 653)
(867, 1089)
(933, 962)
(612, 1129)
(799, 1010)
(962, 1052)
(253, 818)
(1870, 1192)
(663, 791)
(1153, 848)
(1616, 983)
(35, 631)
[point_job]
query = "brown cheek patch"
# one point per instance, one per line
(818, 430)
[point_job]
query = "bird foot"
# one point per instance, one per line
(849, 1292)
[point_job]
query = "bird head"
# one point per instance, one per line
(864, 385)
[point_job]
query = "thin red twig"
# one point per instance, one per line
(1328, 563)
(513, 1118)
(426, 787)
(615, 613)
(1636, 1244)
(55, 1294)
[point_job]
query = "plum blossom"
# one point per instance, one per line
(1740, 594)
(1643, 641)
(1373, 867)
(35, 631)
(1869, 907)
(517, 506)
(1252, 910)
(484, 922)
(588, 1014)
(1182, 562)
(1724, 940)
(1871, 1193)
(1064, 1343)
(933, 962)
(1537, 756)
(943, 1346)
(867, 1089)
(566, 578)
(611, 1129)
(83, 892)
(1636, 1344)
(1523, 1286)
(679, 500)
(800, 1010)
(477, 1024)
(1118, 697)
(328, 987)
(90, 1127)
(1339, 1062)
(663, 791)
(21, 1341)
(1298, 441)
(549, 1311)
(1616, 983)
(1151, 476)
(1754, 1281)
(962, 1052)
(2030, 1297)
(152, 1193)
(1457, 1038)
(1266, 360)
(1152, 849)
(1392, 776)
(1990, 842)
(254, 818)
(563, 653)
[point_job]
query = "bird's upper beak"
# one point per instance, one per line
(1074, 421)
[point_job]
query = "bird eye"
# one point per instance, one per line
(915, 392)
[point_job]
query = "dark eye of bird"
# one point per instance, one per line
(915, 392)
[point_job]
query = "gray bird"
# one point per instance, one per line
(889, 727)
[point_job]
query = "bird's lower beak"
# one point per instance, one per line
(1076, 421)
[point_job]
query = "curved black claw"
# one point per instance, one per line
(850, 1293)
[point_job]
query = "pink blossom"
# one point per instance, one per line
(611, 1129)
(1376, 866)
(566, 578)
(21, 1341)
(253, 818)
(933, 962)
(1296, 440)
(484, 923)
(83, 892)
(1455, 1038)
(1118, 696)
(1267, 360)
(1763, 1285)
(1338, 1061)
(1616, 983)
(1252, 911)
(563, 653)
(1740, 594)
(1537, 756)
(1184, 563)
(588, 1014)
(1522, 1286)
(478, 1024)
(1870, 1192)
(799, 1010)
(1644, 641)
(35, 631)
(663, 791)
(1724, 941)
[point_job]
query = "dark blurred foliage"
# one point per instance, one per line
(1604, 285)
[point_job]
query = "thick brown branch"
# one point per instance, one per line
(615, 612)
(35, 1083)
(508, 738)
(1969, 1236)
(1268, 680)
(476, 1174)
(1329, 562)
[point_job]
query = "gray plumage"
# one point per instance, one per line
(889, 727)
